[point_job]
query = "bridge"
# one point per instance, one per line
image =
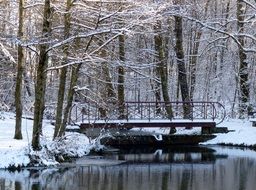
(202, 114)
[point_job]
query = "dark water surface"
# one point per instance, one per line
(182, 168)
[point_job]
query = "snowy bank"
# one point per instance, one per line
(16, 153)
(241, 133)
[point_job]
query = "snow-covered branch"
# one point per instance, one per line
(72, 38)
(231, 35)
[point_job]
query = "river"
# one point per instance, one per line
(179, 168)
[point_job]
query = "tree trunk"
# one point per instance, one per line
(193, 63)
(156, 87)
(162, 69)
(20, 68)
(182, 73)
(41, 79)
(63, 72)
(26, 82)
(121, 73)
(73, 82)
(110, 92)
(243, 65)
(70, 96)
(106, 89)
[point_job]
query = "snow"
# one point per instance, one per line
(241, 133)
(124, 121)
(16, 152)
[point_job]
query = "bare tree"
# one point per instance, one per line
(63, 72)
(243, 64)
(162, 68)
(41, 77)
(182, 73)
(20, 68)
(121, 73)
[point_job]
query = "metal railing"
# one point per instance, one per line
(199, 110)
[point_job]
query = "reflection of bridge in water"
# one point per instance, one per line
(149, 114)
(172, 154)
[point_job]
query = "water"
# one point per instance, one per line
(182, 168)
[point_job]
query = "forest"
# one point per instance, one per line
(57, 53)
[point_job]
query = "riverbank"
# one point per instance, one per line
(241, 134)
(16, 153)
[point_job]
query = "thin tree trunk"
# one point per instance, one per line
(182, 73)
(222, 56)
(20, 68)
(121, 73)
(243, 65)
(71, 91)
(63, 72)
(41, 79)
(162, 69)
(157, 90)
(107, 92)
(73, 82)
(193, 64)
(109, 85)
(194, 59)
(26, 81)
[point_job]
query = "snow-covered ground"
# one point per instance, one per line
(16, 152)
(241, 133)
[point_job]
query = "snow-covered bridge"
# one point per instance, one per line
(149, 114)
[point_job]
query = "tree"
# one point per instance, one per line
(20, 68)
(195, 44)
(121, 73)
(182, 73)
(41, 77)
(243, 64)
(162, 68)
(63, 72)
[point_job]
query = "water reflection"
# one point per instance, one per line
(223, 169)
(177, 154)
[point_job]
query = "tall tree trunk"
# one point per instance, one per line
(20, 68)
(223, 51)
(41, 78)
(107, 89)
(162, 69)
(70, 96)
(182, 73)
(73, 82)
(121, 73)
(243, 65)
(156, 87)
(110, 93)
(63, 72)
(193, 63)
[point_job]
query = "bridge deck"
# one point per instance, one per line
(206, 125)
(147, 123)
